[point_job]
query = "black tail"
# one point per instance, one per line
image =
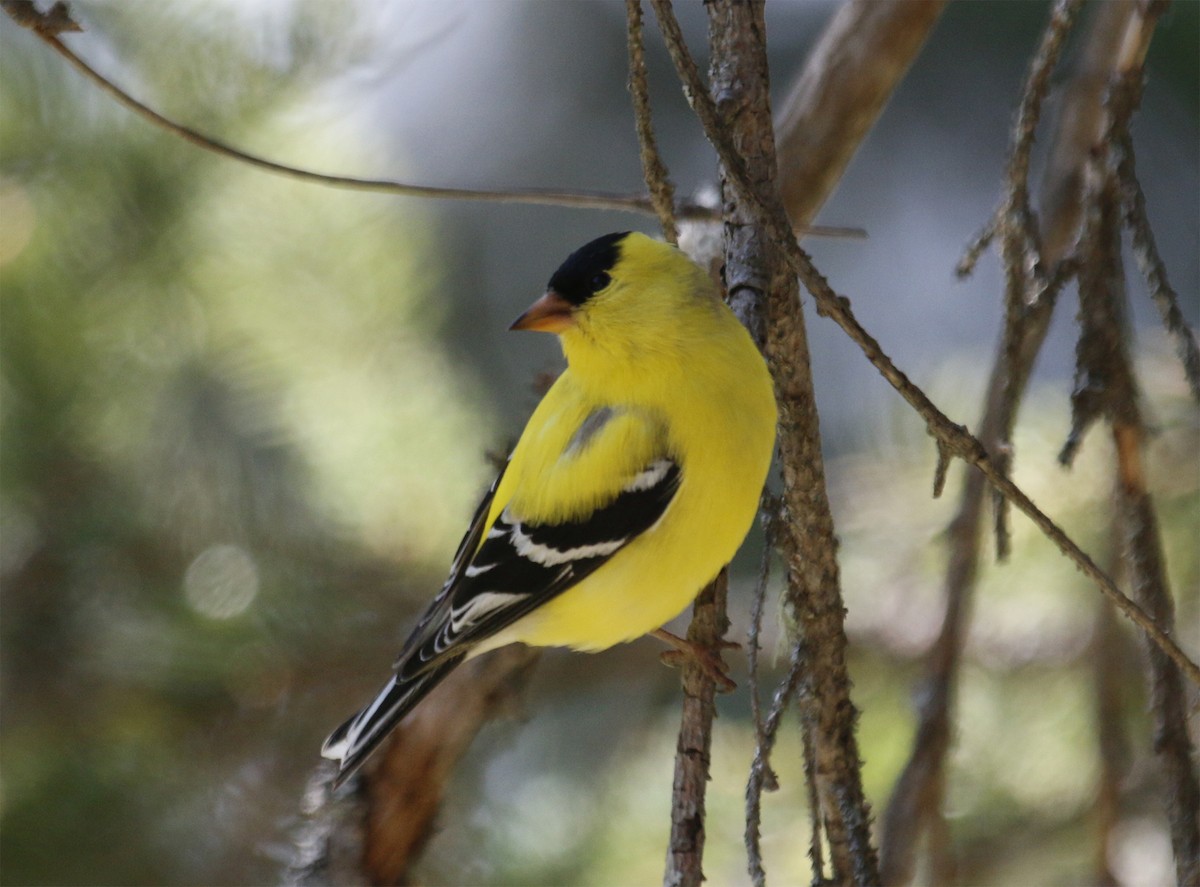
(352, 743)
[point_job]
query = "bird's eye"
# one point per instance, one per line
(599, 281)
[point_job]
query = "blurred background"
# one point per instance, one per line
(245, 420)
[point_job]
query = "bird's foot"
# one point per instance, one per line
(708, 659)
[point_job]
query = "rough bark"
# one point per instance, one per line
(685, 850)
(762, 285)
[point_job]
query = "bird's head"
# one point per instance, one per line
(623, 296)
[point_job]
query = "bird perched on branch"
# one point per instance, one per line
(634, 483)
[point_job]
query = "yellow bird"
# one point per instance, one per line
(633, 484)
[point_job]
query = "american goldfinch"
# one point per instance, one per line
(634, 483)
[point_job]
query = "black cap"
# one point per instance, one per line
(586, 271)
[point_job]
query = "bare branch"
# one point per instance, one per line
(685, 852)
(1013, 220)
(1107, 386)
(1157, 634)
(975, 248)
(944, 456)
(862, 55)
(816, 855)
(654, 171)
(1142, 550)
(954, 437)
(764, 292)
(635, 203)
(1110, 663)
(1045, 59)
(769, 518)
(1019, 238)
(1103, 380)
(762, 776)
(1081, 124)
(374, 829)
(1145, 251)
(962, 444)
(57, 21)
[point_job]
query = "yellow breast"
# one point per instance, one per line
(717, 420)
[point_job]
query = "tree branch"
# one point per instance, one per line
(57, 20)
(861, 56)
(916, 798)
(374, 829)
(765, 292)
(952, 436)
(769, 519)
(20, 11)
(1110, 663)
(1020, 246)
(762, 776)
(1081, 125)
(654, 171)
(685, 851)
(1153, 269)
(1107, 386)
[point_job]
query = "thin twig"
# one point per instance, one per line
(638, 203)
(1103, 382)
(768, 518)
(1109, 666)
(1108, 387)
(762, 776)
(685, 850)
(1172, 744)
(654, 171)
(57, 20)
(976, 247)
(816, 855)
(955, 437)
(1080, 123)
(1153, 269)
(1037, 84)
(1020, 242)
(1013, 219)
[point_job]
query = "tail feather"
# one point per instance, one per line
(354, 741)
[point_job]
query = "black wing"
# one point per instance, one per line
(494, 581)
(521, 565)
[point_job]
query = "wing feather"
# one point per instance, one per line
(521, 564)
(507, 565)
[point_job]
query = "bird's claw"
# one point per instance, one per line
(708, 659)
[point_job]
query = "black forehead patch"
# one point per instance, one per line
(586, 270)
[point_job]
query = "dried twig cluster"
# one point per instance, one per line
(1089, 186)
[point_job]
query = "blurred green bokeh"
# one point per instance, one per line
(244, 420)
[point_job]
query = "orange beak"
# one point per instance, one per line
(549, 314)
